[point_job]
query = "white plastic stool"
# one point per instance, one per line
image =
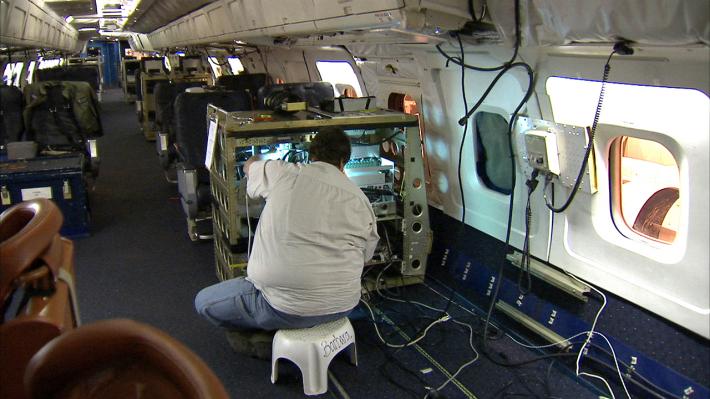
(312, 349)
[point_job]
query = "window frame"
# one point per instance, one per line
(15, 77)
(231, 67)
(215, 66)
(359, 90)
(623, 226)
(634, 124)
(30, 71)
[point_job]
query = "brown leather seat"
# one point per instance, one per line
(37, 300)
(119, 359)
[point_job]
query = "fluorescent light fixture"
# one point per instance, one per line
(69, 19)
(86, 29)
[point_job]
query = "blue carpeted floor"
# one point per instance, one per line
(138, 263)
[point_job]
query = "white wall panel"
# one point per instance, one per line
(17, 20)
(218, 18)
(28, 23)
(262, 21)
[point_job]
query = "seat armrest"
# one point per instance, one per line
(187, 187)
(162, 147)
(92, 148)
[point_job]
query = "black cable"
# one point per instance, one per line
(630, 370)
(308, 70)
(534, 359)
(499, 278)
(590, 145)
(525, 261)
(460, 62)
(470, 112)
(389, 354)
(366, 92)
(463, 137)
(472, 11)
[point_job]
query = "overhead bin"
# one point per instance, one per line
(229, 20)
(30, 24)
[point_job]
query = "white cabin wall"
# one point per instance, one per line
(422, 73)
(670, 280)
(289, 64)
(584, 239)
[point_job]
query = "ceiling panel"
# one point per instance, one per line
(152, 14)
(72, 7)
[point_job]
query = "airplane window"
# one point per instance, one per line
(341, 75)
(235, 64)
(31, 71)
(7, 75)
(648, 185)
(166, 62)
(46, 64)
(492, 149)
(216, 66)
(13, 73)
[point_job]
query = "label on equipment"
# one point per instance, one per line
(211, 137)
(36, 192)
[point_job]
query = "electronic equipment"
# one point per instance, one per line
(393, 182)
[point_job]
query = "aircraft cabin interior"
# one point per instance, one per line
(526, 182)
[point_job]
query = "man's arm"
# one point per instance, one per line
(251, 160)
(263, 173)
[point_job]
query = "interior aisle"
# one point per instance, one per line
(139, 263)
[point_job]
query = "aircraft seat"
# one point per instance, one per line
(191, 145)
(139, 95)
(75, 73)
(37, 294)
(251, 82)
(165, 94)
(142, 362)
(64, 117)
(313, 93)
(11, 123)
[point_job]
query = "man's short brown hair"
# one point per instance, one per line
(330, 145)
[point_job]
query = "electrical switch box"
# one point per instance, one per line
(541, 148)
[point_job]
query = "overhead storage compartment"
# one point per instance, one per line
(27, 24)
(230, 20)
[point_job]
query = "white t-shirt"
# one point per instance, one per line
(314, 236)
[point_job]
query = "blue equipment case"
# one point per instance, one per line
(57, 178)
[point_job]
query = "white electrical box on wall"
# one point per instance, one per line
(541, 148)
(555, 148)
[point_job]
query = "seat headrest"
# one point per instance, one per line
(29, 231)
(133, 355)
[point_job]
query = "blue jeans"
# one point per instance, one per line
(237, 304)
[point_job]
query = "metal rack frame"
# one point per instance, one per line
(239, 131)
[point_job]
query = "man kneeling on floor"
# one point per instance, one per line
(314, 235)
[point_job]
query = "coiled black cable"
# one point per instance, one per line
(460, 62)
(590, 144)
(465, 131)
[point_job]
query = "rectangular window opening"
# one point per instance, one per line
(648, 186)
(235, 64)
(645, 176)
(492, 149)
(216, 66)
(342, 76)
